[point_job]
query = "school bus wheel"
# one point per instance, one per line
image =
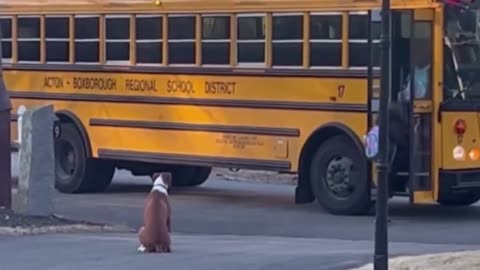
(189, 176)
(338, 177)
(75, 171)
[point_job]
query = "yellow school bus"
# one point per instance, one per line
(281, 85)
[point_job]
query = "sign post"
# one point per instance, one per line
(381, 229)
(5, 143)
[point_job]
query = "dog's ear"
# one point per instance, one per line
(154, 176)
(168, 178)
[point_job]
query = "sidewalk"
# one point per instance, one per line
(200, 252)
(468, 260)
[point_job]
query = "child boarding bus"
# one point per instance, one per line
(281, 85)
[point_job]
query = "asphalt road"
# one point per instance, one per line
(197, 252)
(267, 211)
(221, 207)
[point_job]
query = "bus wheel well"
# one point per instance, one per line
(69, 117)
(304, 193)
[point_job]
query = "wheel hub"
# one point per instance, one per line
(338, 176)
(66, 159)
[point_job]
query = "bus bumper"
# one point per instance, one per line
(459, 179)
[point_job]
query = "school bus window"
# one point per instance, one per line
(251, 39)
(117, 39)
(149, 31)
(358, 40)
(57, 32)
(181, 39)
(421, 50)
(405, 24)
(6, 27)
(28, 39)
(326, 39)
(287, 39)
(87, 39)
(215, 40)
(376, 24)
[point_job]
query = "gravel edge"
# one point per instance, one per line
(458, 260)
(71, 226)
(252, 176)
(75, 228)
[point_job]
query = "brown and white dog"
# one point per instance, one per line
(154, 236)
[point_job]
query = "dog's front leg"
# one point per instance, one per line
(145, 245)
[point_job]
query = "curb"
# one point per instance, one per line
(255, 177)
(455, 260)
(76, 228)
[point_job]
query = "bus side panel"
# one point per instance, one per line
(214, 118)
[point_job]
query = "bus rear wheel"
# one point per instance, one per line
(75, 172)
(189, 176)
(338, 177)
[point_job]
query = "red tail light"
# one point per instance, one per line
(460, 127)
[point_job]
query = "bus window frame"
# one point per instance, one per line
(213, 40)
(10, 39)
(268, 41)
(33, 39)
(325, 41)
(369, 41)
(238, 41)
(190, 40)
(300, 41)
(67, 39)
(140, 41)
(413, 53)
(106, 40)
(86, 40)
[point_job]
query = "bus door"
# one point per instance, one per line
(420, 105)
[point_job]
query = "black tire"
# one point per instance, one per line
(75, 171)
(103, 176)
(334, 152)
(189, 176)
(461, 199)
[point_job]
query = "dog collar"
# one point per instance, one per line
(162, 185)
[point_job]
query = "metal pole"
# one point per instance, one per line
(5, 153)
(381, 230)
(5, 143)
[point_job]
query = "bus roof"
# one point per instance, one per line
(77, 2)
(113, 6)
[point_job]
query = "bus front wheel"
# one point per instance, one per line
(338, 177)
(75, 172)
(189, 176)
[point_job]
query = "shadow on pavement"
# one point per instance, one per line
(223, 194)
(118, 188)
(436, 212)
(251, 194)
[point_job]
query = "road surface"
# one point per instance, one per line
(266, 211)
